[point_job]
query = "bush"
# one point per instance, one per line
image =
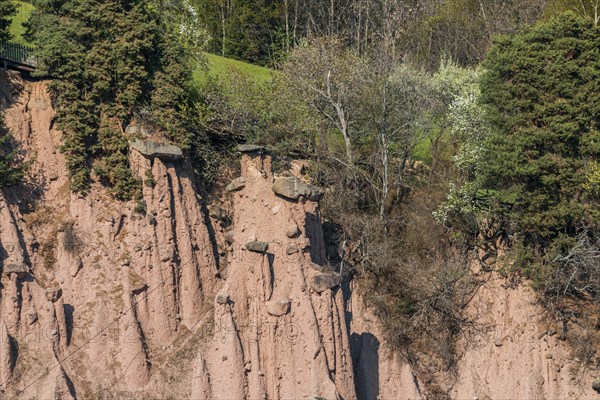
(415, 277)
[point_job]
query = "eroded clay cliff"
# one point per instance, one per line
(99, 300)
(111, 302)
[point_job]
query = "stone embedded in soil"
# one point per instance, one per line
(222, 298)
(291, 249)
(278, 308)
(31, 316)
(596, 385)
(257, 247)
(166, 255)
(319, 268)
(53, 294)
(293, 188)
(292, 231)
(137, 283)
(304, 243)
(151, 219)
(230, 237)
(236, 184)
(18, 269)
(322, 282)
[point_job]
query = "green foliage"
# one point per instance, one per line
(8, 8)
(112, 62)
(17, 29)
(241, 29)
(230, 106)
(11, 169)
(586, 8)
(218, 68)
(184, 16)
(150, 181)
(541, 93)
(592, 178)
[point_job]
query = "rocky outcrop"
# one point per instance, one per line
(511, 355)
(134, 291)
(172, 303)
(275, 338)
(162, 151)
(161, 304)
(6, 357)
(380, 373)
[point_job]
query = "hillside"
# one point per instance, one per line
(217, 66)
(127, 296)
(214, 67)
(406, 207)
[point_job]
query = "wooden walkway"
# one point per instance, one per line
(16, 56)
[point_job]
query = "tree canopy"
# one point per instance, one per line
(540, 90)
(111, 62)
(11, 171)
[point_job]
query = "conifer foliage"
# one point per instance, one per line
(541, 92)
(111, 61)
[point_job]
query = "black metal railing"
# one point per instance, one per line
(17, 53)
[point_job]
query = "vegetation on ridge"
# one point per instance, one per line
(440, 128)
(11, 168)
(112, 63)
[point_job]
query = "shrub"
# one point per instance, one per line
(72, 244)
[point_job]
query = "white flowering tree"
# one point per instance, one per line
(468, 130)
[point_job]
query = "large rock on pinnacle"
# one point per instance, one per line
(164, 152)
(293, 188)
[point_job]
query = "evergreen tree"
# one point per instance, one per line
(111, 62)
(541, 92)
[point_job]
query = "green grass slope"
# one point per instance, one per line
(218, 66)
(16, 28)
